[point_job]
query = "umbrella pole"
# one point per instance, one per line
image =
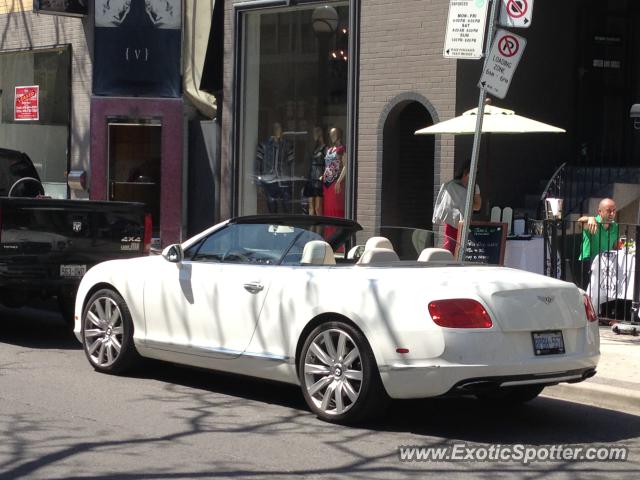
(468, 209)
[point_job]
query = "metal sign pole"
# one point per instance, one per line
(468, 210)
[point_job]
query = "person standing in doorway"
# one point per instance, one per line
(450, 204)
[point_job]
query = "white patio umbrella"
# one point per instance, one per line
(496, 120)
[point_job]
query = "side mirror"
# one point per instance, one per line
(173, 253)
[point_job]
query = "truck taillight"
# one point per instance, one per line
(459, 313)
(148, 224)
(588, 308)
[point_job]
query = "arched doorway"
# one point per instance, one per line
(407, 168)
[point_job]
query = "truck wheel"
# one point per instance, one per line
(107, 333)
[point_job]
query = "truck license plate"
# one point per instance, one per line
(73, 270)
(548, 343)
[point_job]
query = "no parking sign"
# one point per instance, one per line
(506, 51)
(516, 13)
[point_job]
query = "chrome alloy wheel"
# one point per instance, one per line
(333, 372)
(103, 331)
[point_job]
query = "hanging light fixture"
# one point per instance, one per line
(324, 19)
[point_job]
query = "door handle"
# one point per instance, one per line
(253, 287)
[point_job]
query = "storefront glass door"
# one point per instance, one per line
(134, 165)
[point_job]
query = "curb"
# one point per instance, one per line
(604, 396)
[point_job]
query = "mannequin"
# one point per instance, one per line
(313, 187)
(273, 164)
(335, 171)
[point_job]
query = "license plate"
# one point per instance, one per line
(548, 343)
(73, 270)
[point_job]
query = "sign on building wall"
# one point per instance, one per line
(61, 7)
(27, 103)
(137, 48)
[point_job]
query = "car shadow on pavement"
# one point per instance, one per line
(539, 422)
(227, 384)
(40, 326)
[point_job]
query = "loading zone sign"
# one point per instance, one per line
(499, 68)
(465, 28)
(516, 13)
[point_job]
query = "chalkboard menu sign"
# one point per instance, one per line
(485, 242)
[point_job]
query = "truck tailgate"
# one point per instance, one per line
(48, 239)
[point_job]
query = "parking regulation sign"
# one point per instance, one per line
(506, 51)
(516, 13)
(465, 28)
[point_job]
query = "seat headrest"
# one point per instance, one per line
(378, 255)
(355, 252)
(317, 252)
(378, 242)
(435, 255)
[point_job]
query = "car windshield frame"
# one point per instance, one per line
(338, 233)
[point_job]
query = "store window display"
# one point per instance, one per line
(274, 160)
(333, 178)
(295, 75)
(313, 189)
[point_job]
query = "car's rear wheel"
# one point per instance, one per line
(107, 333)
(339, 376)
(513, 395)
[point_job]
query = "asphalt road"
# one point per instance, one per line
(60, 419)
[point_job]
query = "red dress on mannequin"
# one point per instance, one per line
(333, 202)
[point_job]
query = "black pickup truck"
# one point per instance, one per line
(47, 245)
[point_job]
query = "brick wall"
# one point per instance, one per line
(400, 59)
(28, 30)
(12, 6)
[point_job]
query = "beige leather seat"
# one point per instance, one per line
(435, 255)
(377, 242)
(317, 252)
(378, 255)
(355, 253)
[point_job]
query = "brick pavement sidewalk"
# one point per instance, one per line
(616, 385)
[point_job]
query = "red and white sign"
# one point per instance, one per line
(27, 103)
(516, 13)
(506, 51)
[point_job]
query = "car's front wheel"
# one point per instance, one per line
(107, 332)
(339, 376)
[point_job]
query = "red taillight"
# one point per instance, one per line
(147, 233)
(459, 313)
(588, 308)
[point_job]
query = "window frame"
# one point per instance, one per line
(240, 10)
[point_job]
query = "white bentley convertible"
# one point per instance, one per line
(290, 298)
